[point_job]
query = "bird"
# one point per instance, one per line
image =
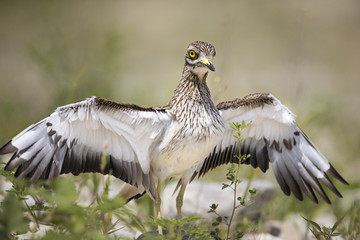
(186, 138)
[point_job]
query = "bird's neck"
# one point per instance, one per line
(192, 95)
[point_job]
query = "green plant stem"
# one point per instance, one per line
(32, 214)
(235, 185)
(233, 209)
(249, 183)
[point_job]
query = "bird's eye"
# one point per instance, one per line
(192, 54)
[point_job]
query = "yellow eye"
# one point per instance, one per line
(192, 54)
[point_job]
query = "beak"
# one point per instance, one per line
(208, 64)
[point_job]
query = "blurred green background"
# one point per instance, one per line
(306, 53)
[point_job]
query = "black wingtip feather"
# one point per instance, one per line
(281, 181)
(332, 172)
(15, 162)
(8, 166)
(263, 160)
(137, 196)
(325, 180)
(310, 193)
(321, 192)
(7, 148)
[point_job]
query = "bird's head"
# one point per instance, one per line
(198, 58)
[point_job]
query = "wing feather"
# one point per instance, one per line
(273, 137)
(72, 139)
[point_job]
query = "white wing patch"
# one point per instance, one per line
(128, 134)
(273, 137)
(77, 132)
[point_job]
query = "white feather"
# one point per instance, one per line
(275, 122)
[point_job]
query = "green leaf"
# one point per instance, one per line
(230, 178)
(326, 230)
(243, 124)
(215, 224)
(241, 200)
(250, 202)
(312, 223)
(316, 235)
(214, 206)
(232, 125)
(12, 215)
(336, 224)
(252, 191)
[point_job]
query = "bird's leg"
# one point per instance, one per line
(157, 206)
(179, 200)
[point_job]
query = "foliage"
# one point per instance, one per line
(232, 176)
(347, 226)
(323, 232)
(179, 228)
(53, 205)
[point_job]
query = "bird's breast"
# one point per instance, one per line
(182, 158)
(185, 146)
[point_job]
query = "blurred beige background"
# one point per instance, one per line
(306, 53)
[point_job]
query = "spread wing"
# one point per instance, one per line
(273, 137)
(74, 138)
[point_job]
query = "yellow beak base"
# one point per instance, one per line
(208, 64)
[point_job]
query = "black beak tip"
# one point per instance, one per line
(211, 67)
